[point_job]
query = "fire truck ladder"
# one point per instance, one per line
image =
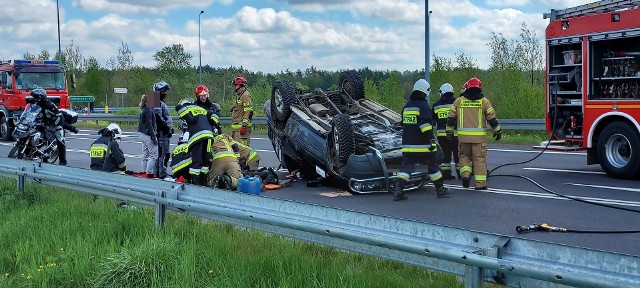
(595, 7)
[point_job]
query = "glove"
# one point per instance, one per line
(450, 135)
(154, 140)
(243, 130)
(497, 135)
(73, 129)
(170, 132)
(235, 148)
(434, 146)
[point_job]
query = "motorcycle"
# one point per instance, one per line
(34, 139)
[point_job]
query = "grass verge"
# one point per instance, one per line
(57, 238)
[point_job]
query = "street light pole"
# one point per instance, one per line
(199, 49)
(427, 57)
(59, 46)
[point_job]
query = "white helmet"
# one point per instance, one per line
(446, 88)
(186, 101)
(115, 130)
(422, 85)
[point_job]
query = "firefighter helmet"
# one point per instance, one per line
(186, 101)
(423, 86)
(202, 90)
(161, 86)
(240, 80)
(446, 88)
(473, 82)
(38, 94)
(116, 132)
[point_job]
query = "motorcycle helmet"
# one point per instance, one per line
(239, 80)
(161, 86)
(38, 94)
(116, 132)
(446, 88)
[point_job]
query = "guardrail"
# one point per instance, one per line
(507, 124)
(476, 256)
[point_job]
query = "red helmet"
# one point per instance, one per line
(202, 89)
(473, 82)
(239, 80)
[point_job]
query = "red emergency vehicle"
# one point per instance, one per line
(593, 83)
(18, 78)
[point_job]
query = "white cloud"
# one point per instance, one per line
(140, 6)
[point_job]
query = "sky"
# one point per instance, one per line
(273, 35)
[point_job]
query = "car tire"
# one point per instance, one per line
(350, 82)
(619, 151)
(340, 143)
(283, 94)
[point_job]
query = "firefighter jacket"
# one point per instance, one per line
(199, 122)
(417, 132)
(242, 111)
(222, 150)
(244, 153)
(106, 155)
(180, 160)
(209, 106)
(470, 113)
(441, 114)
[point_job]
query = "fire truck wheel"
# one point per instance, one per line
(619, 151)
(5, 133)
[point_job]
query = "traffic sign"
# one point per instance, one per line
(120, 90)
(82, 98)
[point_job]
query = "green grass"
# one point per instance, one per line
(57, 238)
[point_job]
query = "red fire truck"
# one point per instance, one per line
(593, 83)
(18, 78)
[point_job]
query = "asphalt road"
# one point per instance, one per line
(509, 202)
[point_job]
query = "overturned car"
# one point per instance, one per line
(338, 136)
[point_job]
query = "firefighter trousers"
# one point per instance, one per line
(473, 157)
(410, 159)
(244, 139)
(200, 160)
(231, 168)
(450, 151)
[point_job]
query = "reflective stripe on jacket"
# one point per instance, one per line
(471, 117)
(242, 110)
(417, 131)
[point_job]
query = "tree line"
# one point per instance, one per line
(514, 81)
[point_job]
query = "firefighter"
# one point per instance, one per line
(202, 100)
(165, 129)
(470, 113)
(225, 170)
(199, 123)
(52, 116)
(248, 159)
(242, 112)
(105, 152)
(418, 143)
(449, 146)
(181, 159)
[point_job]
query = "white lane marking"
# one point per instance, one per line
(606, 187)
(565, 170)
(551, 196)
(533, 151)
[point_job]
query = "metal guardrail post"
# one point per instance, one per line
(161, 210)
(473, 275)
(21, 179)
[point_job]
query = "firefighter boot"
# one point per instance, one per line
(441, 191)
(446, 174)
(202, 179)
(458, 172)
(398, 193)
(465, 182)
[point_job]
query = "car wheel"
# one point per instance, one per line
(283, 94)
(340, 143)
(619, 151)
(351, 83)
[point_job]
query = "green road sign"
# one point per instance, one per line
(82, 98)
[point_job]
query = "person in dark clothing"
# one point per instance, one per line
(165, 129)
(202, 100)
(418, 143)
(147, 132)
(181, 159)
(52, 116)
(199, 123)
(449, 145)
(105, 152)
